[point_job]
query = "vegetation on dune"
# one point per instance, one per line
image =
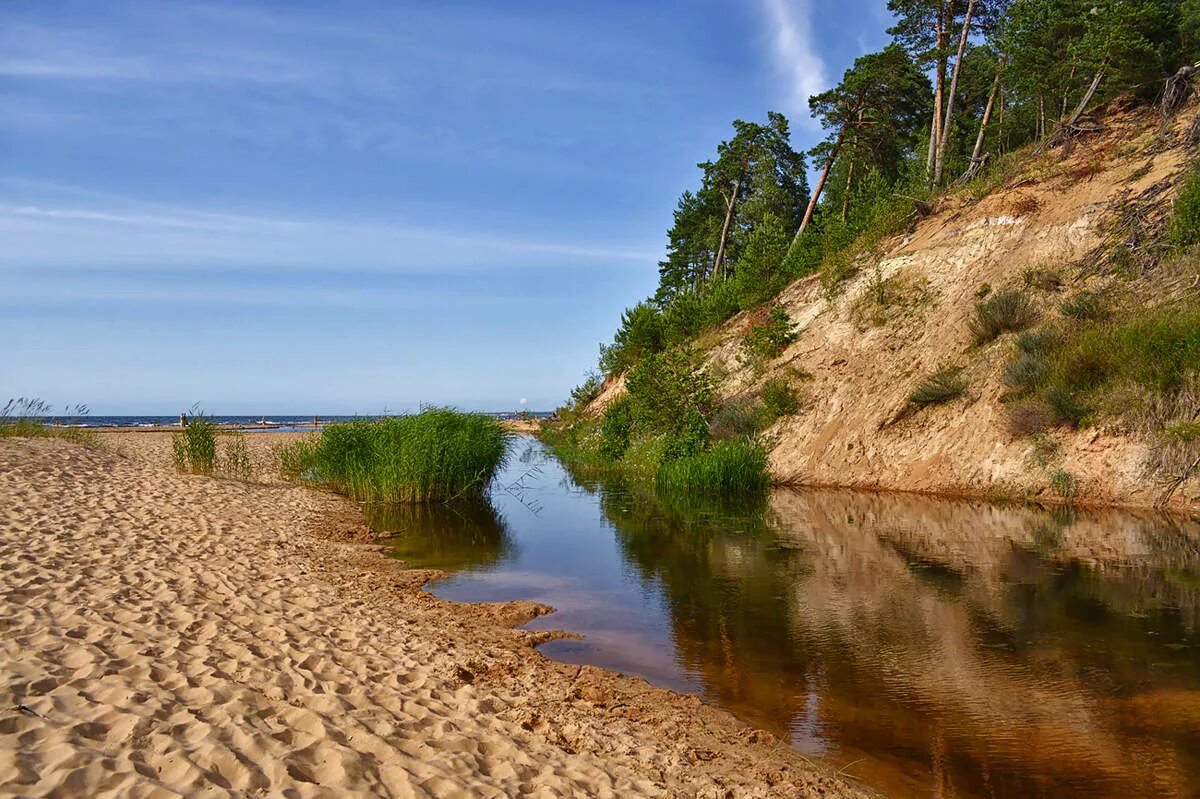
(1003, 312)
(1138, 370)
(669, 427)
(1184, 229)
(767, 335)
(727, 467)
(965, 95)
(942, 386)
(201, 448)
(27, 417)
(194, 448)
(1006, 75)
(438, 454)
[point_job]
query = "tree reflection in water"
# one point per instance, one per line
(451, 537)
(945, 648)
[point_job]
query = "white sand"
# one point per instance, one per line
(167, 635)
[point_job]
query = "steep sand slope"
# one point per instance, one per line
(165, 635)
(864, 360)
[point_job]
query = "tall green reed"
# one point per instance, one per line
(438, 454)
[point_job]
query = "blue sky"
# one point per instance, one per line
(318, 207)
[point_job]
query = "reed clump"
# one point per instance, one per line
(27, 417)
(436, 455)
(194, 448)
(726, 468)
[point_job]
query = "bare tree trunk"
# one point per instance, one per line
(1087, 98)
(987, 114)
(935, 130)
(816, 195)
(732, 201)
(949, 115)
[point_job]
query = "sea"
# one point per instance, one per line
(249, 423)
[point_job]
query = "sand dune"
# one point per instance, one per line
(165, 635)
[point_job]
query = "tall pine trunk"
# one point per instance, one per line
(949, 115)
(816, 195)
(720, 262)
(983, 123)
(935, 128)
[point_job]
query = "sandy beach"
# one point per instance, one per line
(169, 635)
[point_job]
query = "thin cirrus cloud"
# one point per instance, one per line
(55, 235)
(800, 66)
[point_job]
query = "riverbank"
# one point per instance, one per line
(178, 635)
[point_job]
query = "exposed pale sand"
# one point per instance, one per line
(168, 635)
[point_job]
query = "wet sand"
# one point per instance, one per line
(169, 635)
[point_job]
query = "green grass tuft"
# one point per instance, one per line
(1087, 306)
(1005, 311)
(942, 386)
(1184, 227)
(726, 468)
(438, 454)
(25, 417)
(194, 448)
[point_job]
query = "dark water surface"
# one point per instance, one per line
(932, 648)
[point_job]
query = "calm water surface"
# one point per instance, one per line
(931, 648)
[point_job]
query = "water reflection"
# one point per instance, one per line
(461, 535)
(945, 648)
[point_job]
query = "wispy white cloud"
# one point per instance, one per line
(48, 233)
(799, 64)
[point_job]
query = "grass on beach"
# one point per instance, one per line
(194, 448)
(438, 454)
(26, 417)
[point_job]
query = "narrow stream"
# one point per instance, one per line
(931, 648)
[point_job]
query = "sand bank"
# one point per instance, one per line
(168, 635)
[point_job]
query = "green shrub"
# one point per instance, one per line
(435, 455)
(1063, 483)
(1026, 370)
(640, 333)
(739, 417)
(645, 454)
(615, 426)
(779, 399)
(1008, 310)
(668, 389)
(1065, 404)
(768, 336)
(729, 467)
(760, 273)
(194, 448)
(942, 386)
(1152, 347)
(1085, 306)
(1030, 365)
(718, 302)
(689, 438)
(1184, 227)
